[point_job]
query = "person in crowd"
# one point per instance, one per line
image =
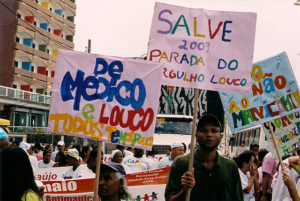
(48, 147)
(137, 162)
(291, 186)
(38, 150)
(261, 155)
(46, 162)
(177, 149)
(3, 139)
(214, 177)
(92, 161)
(28, 149)
(280, 192)
(17, 179)
(72, 159)
(124, 151)
(112, 183)
(15, 143)
(246, 165)
(61, 159)
(85, 154)
(269, 168)
(116, 156)
(60, 147)
(151, 156)
(168, 152)
(255, 148)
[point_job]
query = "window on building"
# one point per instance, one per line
(32, 68)
(18, 15)
(31, 89)
(17, 39)
(14, 86)
(34, 23)
(16, 63)
(33, 45)
(48, 51)
(47, 72)
(49, 29)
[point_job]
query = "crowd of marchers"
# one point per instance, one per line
(252, 176)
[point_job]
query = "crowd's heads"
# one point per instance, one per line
(26, 147)
(60, 158)
(116, 156)
(151, 153)
(255, 148)
(61, 145)
(177, 149)
(46, 156)
(112, 183)
(72, 157)
(261, 154)
(138, 152)
(246, 159)
(3, 139)
(209, 133)
(85, 153)
(16, 174)
(92, 161)
(37, 147)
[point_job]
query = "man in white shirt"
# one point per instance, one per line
(137, 162)
(72, 159)
(46, 162)
(177, 149)
(153, 161)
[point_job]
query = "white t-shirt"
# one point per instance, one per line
(82, 171)
(127, 153)
(33, 161)
(280, 191)
(43, 165)
(245, 181)
(136, 164)
(153, 163)
(165, 162)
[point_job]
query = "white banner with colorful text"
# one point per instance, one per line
(105, 98)
(202, 48)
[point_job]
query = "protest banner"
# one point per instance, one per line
(202, 48)
(147, 185)
(51, 174)
(274, 94)
(287, 133)
(105, 98)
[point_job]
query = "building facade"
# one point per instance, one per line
(31, 33)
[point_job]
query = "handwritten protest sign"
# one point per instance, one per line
(147, 185)
(203, 49)
(287, 133)
(105, 98)
(274, 93)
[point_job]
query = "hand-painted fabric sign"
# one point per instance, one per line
(203, 49)
(274, 93)
(287, 134)
(105, 98)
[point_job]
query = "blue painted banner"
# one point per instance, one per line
(274, 93)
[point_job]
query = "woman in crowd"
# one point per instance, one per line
(17, 179)
(248, 174)
(116, 156)
(61, 159)
(85, 154)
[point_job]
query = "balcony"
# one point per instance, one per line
(24, 95)
(28, 130)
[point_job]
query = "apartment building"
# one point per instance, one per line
(31, 33)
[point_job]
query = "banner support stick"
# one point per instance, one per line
(96, 184)
(191, 158)
(275, 145)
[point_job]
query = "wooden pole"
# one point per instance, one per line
(275, 145)
(96, 184)
(191, 158)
